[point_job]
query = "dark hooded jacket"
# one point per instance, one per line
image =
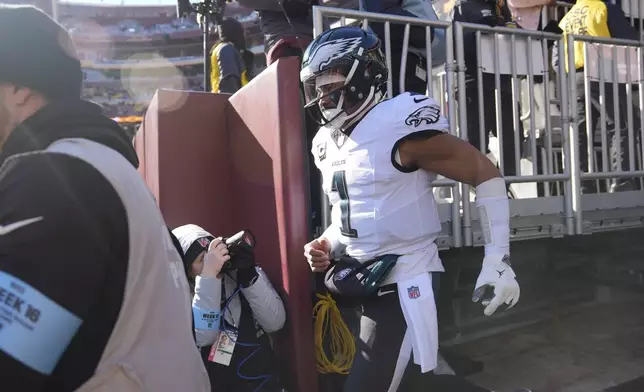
(79, 119)
(77, 250)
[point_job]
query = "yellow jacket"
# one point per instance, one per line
(226, 61)
(586, 17)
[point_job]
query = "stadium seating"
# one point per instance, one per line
(121, 47)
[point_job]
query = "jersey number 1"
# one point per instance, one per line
(339, 185)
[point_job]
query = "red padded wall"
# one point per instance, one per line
(268, 158)
(240, 163)
(183, 148)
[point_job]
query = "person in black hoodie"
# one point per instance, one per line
(416, 69)
(492, 13)
(92, 290)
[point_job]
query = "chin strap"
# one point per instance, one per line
(372, 100)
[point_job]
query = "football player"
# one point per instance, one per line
(378, 158)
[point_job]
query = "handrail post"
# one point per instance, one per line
(571, 146)
(450, 70)
(462, 127)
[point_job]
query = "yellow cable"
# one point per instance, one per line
(329, 320)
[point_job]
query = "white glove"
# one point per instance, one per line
(496, 272)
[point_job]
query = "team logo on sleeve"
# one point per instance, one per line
(413, 292)
(429, 114)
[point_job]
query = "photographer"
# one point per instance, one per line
(234, 307)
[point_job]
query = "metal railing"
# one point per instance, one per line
(619, 81)
(555, 12)
(633, 10)
(525, 63)
(521, 64)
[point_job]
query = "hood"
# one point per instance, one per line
(188, 234)
(76, 119)
(193, 240)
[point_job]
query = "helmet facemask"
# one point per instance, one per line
(339, 96)
(326, 95)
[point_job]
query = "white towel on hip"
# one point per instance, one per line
(419, 308)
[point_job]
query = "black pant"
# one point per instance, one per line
(489, 116)
(382, 331)
(617, 143)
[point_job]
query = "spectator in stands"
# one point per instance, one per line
(235, 304)
(601, 19)
(492, 13)
(527, 13)
(287, 26)
(416, 69)
(228, 71)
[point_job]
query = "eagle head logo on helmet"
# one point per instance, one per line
(333, 50)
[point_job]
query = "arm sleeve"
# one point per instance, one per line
(332, 233)
(206, 310)
(213, 76)
(266, 304)
(230, 70)
(56, 236)
(494, 214)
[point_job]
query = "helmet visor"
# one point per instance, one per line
(324, 89)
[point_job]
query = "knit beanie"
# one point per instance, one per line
(38, 53)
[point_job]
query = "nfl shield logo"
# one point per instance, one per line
(204, 242)
(413, 292)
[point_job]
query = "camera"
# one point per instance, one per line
(213, 9)
(239, 244)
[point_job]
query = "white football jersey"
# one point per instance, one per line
(381, 207)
